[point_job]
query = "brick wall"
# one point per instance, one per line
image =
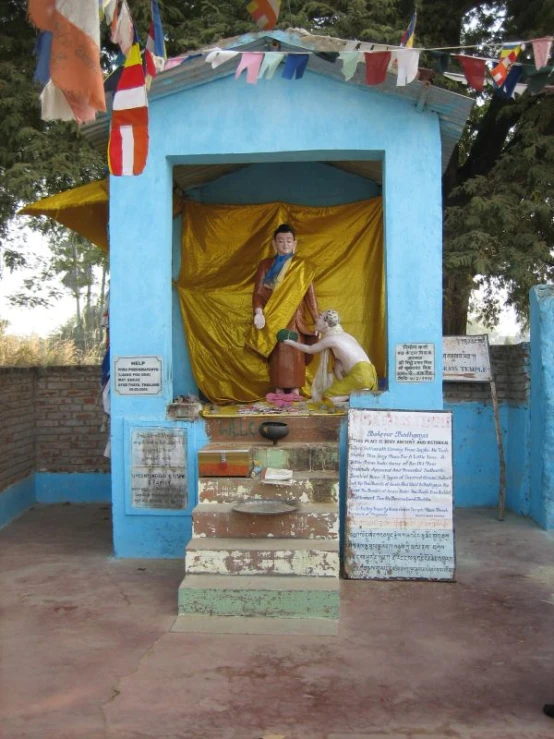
(69, 418)
(51, 420)
(512, 374)
(17, 424)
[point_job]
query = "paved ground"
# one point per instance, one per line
(87, 651)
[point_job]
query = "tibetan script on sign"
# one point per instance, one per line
(466, 359)
(399, 506)
(158, 468)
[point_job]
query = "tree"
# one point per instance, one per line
(37, 158)
(498, 210)
(76, 266)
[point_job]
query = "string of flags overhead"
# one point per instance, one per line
(68, 66)
(504, 74)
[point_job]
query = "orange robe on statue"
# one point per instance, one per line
(287, 365)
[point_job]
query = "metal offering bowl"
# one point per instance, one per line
(265, 506)
(273, 431)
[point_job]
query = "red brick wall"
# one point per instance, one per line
(50, 420)
(69, 418)
(17, 424)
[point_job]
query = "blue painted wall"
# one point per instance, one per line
(542, 403)
(16, 499)
(312, 120)
(475, 452)
(305, 183)
(53, 487)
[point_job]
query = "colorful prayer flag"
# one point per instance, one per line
(350, 61)
(251, 61)
(43, 51)
(271, 61)
(295, 66)
(217, 57)
(155, 54)
(408, 38)
(407, 64)
(541, 51)
(128, 144)
(265, 13)
(376, 65)
(75, 58)
(122, 28)
(474, 70)
(508, 55)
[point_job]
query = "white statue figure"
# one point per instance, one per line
(353, 369)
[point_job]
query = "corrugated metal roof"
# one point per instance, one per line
(451, 108)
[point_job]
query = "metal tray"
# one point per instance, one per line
(265, 506)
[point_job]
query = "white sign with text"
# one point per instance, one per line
(138, 375)
(466, 359)
(415, 362)
(399, 506)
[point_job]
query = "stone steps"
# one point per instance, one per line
(275, 597)
(310, 521)
(274, 557)
(306, 487)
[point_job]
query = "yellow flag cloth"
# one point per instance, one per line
(281, 306)
(222, 246)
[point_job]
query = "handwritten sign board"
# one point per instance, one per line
(399, 506)
(415, 362)
(138, 375)
(466, 359)
(158, 468)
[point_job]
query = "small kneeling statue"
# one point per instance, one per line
(353, 368)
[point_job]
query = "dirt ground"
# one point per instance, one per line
(87, 651)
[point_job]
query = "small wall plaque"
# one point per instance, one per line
(138, 375)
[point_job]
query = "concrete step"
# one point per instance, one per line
(256, 625)
(322, 456)
(274, 557)
(284, 597)
(312, 428)
(306, 487)
(310, 521)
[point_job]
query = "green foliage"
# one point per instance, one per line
(36, 158)
(497, 189)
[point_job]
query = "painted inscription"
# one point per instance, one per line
(158, 468)
(399, 509)
(466, 359)
(138, 375)
(415, 362)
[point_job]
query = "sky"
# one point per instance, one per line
(30, 321)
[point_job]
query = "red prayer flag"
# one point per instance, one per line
(128, 144)
(376, 65)
(474, 70)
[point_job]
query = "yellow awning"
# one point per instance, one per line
(84, 209)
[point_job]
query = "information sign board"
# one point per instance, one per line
(466, 359)
(399, 506)
(138, 375)
(415, 362)
(158, 468)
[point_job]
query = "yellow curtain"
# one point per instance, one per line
(222, 246)
(83, 209)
